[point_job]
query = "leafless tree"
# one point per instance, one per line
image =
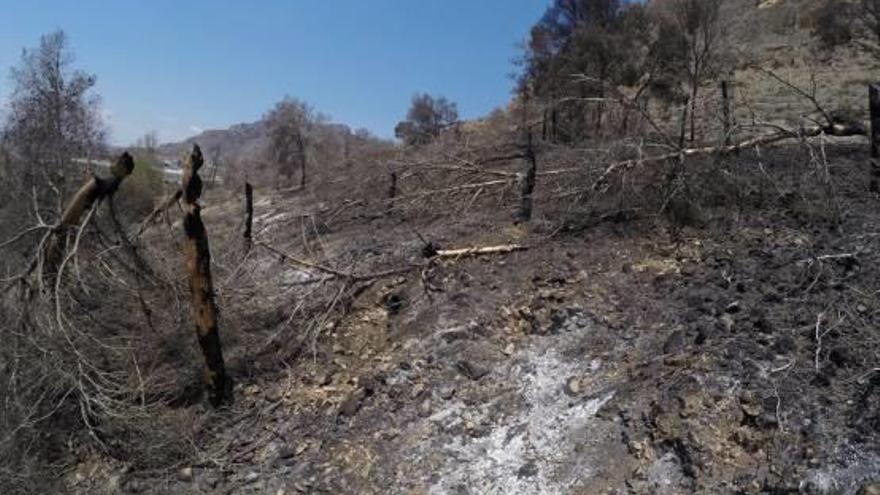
(699, 25)
(149, 142)
(54, 116)
(868, 14)
(841, 22)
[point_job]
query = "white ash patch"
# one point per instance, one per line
(854, 467)
(535, 451)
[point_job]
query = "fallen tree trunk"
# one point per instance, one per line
(95, 189)
(353, 277)
(197, 256)
(477, 251)
(836, 130)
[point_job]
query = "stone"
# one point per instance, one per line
(455, 334)
(185, 474)
(251, 477)
(352, 404)
(509, 349)
(527, 470)
(425, 408)
(573, 387)
(286, 452)
(447, 391)
(323, 379)
(114, 483)
(726, 323)
(211, 481)
(675, 342)
(471, 370)
(870, 488)
(417, 390)
(784, 344)
(134, 486)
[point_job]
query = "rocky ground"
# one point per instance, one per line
(735, 355)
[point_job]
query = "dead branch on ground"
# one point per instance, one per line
(354, 277)
(171, 200)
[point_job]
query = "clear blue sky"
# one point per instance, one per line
(180, 66)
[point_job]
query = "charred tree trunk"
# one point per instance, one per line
(684, 120)
(248, 216)
(544, 126)
(874, 102)
(301, 144)
(528, 183)
(198, 264)
(693, 115)
(392, 189)
(96, 189)
(392, 186)
(725, 112)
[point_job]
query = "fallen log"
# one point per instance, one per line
(840, 129)
(478, 251)
(354, 277)
(466, 187)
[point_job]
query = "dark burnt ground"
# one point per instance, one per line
(740, 396)
(623, 352)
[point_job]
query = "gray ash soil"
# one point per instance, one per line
(628, 357)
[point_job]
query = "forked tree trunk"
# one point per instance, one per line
(197, 256)
(96, 189)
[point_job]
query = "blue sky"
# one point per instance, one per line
(182, 66)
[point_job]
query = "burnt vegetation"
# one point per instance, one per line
(720, 248)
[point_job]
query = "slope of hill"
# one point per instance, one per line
(240, 141)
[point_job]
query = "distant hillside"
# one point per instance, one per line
(759, 27)
(239, 142)
(773, 33)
